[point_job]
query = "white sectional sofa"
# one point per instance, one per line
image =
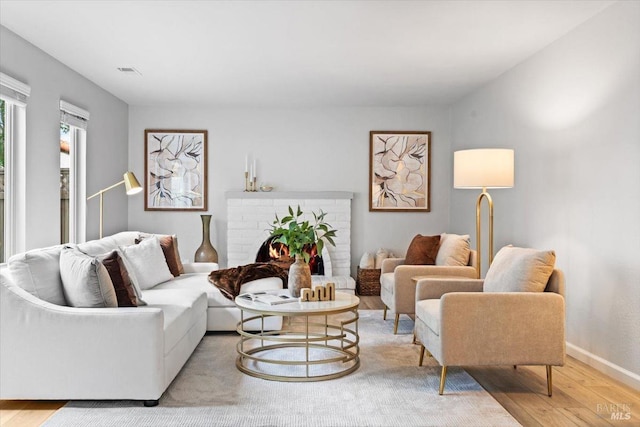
(49, 350)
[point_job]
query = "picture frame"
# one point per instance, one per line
(175, 170)
(399, 171)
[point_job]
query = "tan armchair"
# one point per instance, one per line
(462, 325)
(398, 289)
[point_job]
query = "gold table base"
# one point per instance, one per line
(333, 342)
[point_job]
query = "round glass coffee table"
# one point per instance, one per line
(318, 341)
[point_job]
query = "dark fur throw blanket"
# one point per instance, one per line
(230, 279)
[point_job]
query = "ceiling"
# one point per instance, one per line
(293, 53)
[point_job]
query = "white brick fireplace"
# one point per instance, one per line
(250, 215)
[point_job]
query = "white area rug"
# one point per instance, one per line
(388, 389)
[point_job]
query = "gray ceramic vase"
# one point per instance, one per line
(299, 276)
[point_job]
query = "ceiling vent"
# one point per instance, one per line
(129, 70)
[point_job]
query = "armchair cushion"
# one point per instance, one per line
(428, 311)
(454, 250)
(519, 270)
(423, 250)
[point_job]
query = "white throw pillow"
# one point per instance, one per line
(454, 250)
(519, 270)
(38, 272)
(146, 264)
(367, 261)
(85, 280)
(381, 255)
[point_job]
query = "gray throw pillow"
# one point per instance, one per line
(519, 270)
(85, 281)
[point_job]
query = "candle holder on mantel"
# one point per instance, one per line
(250, 184)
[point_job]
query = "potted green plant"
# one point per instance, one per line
(299, 234)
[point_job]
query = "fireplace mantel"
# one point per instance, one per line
(251, 214)
(293, 195)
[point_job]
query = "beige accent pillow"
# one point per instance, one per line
(519, 270)
(454, 250)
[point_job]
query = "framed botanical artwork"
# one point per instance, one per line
(175, 170)
(399, 171)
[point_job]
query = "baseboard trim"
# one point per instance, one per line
(619, 373)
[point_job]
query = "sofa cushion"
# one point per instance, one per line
(454, 250)
(386, 281)
(199, 282)
(519, 270)
(422, 250)
(38, 272)
(428, 311)
(146, 264)
(125, 293)
(85, 280)
(108, 244)
(169, 245)
(181, 308)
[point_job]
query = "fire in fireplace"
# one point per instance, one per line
(278, 253)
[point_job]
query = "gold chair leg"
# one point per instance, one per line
(443, 377)
(549, 381)
(395, 325)
(384, 313)
(421, 355)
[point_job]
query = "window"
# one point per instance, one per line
(13, 98)
(73, 125)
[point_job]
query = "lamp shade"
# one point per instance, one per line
(483, 168)
(131, 183)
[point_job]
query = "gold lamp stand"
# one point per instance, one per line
(132, 185)
(483, 168)
(483, 195)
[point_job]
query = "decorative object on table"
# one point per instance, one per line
(319, 293)
(131, 184)
(175, 168)
(368, 281)
(250, 175)
(266, 188)
(206, 252)
(483, 168)
(299, 234)
(399, 171)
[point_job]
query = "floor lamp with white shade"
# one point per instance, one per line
(483, 168)
(131, 184)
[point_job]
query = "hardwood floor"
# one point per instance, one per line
(582, 396)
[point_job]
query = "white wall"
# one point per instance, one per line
(51, 81)
(301, 149)
(572, 113)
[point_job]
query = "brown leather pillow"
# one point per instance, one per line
(125, 294)
(423, 250)
(169, 245)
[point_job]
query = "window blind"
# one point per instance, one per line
(13, 91)
(73, 115)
